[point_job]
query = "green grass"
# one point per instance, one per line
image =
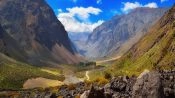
(13, 74)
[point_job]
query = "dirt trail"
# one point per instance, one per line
(87, 75)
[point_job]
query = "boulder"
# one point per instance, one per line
(148, 85)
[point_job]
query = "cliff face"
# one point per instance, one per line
(40, 36)
(117, 35)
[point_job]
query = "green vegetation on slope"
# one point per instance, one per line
(13, 74)
(155, 50)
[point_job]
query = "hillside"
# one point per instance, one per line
(33, 34)
(13, 74)
(117, 35)
(155, 50)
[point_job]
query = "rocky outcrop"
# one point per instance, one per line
(120, 87)
(41, 38)
(117, 35)
(147, 85)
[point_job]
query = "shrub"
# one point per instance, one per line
(107, 75)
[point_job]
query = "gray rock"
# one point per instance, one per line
(148, 86)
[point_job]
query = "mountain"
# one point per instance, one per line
(117, 35)
(79, 41)
(33, 34)
(156, 50)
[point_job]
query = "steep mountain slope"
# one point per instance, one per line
(155, 50)
(117, 35)
(33, 34)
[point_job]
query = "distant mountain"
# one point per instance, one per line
(79, 41)
(30, 32)
(78, 36)
(117, 35)
(155, 50)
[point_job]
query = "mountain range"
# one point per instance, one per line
(116, 36)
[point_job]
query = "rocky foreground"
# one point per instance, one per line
(148, 85)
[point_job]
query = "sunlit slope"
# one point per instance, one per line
(155, 50)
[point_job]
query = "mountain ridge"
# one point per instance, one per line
(117, 35)
(154, 51)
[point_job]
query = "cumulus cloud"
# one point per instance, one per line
(129, 5)
(163, 1)
(76, 19)
(83, 13)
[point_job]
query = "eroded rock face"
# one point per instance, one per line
(38, 32)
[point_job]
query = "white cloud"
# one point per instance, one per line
(99, 1)
(83, 13)
(129, 5)
(163, 1)
(151, 5)
(82, 24)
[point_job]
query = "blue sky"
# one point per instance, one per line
(82, 16)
